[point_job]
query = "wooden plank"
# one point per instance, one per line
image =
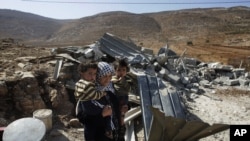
(145, 103)
(57, 68)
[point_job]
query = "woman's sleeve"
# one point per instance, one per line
(94, 107)
(89, 112)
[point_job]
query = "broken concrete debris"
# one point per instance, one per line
(24, 89)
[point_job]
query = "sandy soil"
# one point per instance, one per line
(225, 105)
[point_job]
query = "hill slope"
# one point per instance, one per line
(214, 25)
(123, 24)
(26, 26)
(201, 25)
(212, 34)
(223, 26)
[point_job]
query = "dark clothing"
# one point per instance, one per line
(123, 100)
(94, 123)
(93, 129)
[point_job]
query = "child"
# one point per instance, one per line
(122, 86)
(85, 87)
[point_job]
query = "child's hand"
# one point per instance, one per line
(107, 111)
(124, 109)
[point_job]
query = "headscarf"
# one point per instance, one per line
(104, 69)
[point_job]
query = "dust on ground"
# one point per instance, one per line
(225, 105)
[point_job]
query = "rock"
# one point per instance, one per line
(75, 123)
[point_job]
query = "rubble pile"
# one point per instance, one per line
(195, 75)
(25, 89)
(9, 42)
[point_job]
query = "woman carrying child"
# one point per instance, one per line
(100, 115)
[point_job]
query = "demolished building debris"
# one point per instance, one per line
(162, 80)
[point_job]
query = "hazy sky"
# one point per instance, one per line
(72, 9)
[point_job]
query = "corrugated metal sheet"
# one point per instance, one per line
(162, 98)
(116, 47)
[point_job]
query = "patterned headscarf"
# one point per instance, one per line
(104, 69)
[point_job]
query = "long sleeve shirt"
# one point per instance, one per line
(85, 91)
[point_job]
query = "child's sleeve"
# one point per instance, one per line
(85, 91)
(122, 86)
(127, 84)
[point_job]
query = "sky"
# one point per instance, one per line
(74, 9)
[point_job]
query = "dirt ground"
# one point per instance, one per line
(226, 105)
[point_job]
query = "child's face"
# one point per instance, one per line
(105, 80)
(89, 75)
(121, 72)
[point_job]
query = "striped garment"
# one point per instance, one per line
(85, 91)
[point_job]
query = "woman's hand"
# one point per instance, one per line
(107, 111)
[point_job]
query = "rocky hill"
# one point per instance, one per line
(123, 24)
(27, 27)
(216, 25)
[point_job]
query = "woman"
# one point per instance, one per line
(102, 114)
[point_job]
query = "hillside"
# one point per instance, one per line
(198, 25)
(123, 24)
(214, 25)
(27, 27)
(212, 34)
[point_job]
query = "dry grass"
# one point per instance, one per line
(233, 92)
